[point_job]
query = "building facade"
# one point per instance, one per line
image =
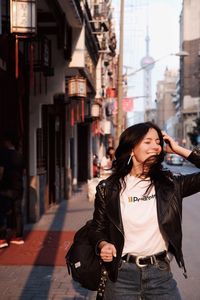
(189, 87)
(49, 71)
(166, 117)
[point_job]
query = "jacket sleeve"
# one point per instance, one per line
(99, 223)
(190, 184)
(194, 157)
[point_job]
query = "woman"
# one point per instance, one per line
(136, 225)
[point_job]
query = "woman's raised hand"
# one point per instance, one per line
(173, 147)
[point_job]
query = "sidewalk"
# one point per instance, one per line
(26, 276)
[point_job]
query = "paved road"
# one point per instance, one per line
(190, 288)
(184, 169)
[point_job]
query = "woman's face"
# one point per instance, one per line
(149, 146)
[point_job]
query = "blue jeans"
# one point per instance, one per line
(154, 282)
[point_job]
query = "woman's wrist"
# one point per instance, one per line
(183, 151)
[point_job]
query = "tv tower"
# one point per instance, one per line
(147, 63)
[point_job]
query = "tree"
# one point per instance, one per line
(195, 133)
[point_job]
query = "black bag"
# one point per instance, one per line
(82, 262)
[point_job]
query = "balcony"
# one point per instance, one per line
(73, 11)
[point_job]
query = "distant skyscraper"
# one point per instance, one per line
(147, 63)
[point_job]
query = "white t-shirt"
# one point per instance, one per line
(139, 216)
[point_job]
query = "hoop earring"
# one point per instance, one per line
(129, 160)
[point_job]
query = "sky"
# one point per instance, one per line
(162, 19)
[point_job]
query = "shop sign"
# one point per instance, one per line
(46, 52)
(127, 104)
(110, 92)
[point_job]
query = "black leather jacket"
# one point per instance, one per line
(107, 222)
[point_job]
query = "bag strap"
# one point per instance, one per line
(102, 284)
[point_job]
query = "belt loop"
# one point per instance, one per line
(154, 259)
(127, 257)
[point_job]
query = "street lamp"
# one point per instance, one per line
(180, 54)
(162, 106)
(120, 120)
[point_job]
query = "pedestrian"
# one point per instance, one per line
(11, 191)
(96, 166)
(136, 224)
(106, 162)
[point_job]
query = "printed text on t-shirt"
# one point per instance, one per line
(144, 198)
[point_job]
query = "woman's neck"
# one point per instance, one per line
(136, 171)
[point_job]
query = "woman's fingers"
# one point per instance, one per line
(171, 144)
(108, 252)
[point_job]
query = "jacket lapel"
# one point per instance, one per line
(164, 193)
(113, 207)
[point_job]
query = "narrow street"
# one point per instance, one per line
(74, 75)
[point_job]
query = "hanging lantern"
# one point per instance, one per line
(22, 23)
(106, 127)
(77, 87)
(95, 110)
(23, 16)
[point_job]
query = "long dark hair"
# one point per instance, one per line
(128, 140)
